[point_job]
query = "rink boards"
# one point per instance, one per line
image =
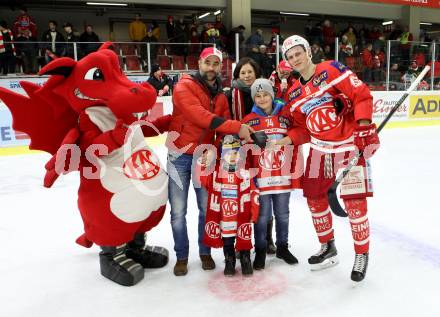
(421, 108)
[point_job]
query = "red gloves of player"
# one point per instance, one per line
(342, 105)
(366, 139)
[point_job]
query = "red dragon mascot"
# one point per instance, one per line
(84, 117)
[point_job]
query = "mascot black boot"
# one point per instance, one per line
(150, 257)
(117, 267)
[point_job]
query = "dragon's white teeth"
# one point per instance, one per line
(78, 94)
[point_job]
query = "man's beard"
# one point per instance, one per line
(206, 74)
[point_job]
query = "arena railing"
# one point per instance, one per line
(133, 56)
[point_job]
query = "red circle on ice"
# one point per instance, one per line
(241, 288)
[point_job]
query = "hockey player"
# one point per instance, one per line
(232, 206)
(331, 105)
(279, 172)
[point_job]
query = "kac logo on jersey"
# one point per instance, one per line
(141, 165)
(272, 159)
(245, 231)
(322, 119)
(212, 230)
(229, 207)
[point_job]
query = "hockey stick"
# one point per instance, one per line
(331, 193)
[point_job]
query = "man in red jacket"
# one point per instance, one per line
(200, 110)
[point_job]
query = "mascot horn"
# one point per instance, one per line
(84, 117)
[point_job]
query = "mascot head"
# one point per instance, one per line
(97, 80)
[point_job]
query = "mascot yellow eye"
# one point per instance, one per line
(94, 74)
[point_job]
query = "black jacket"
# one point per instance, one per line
(59, 45)
(159, 84)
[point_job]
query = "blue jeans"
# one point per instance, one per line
(179, 169)
(281, 210)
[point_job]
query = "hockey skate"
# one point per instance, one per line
(359, 267)
(325, 258)
(117, 267)
(150, 257)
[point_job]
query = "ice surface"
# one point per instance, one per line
(44, 273)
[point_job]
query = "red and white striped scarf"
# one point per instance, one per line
(238, 109)
(2, 44)
(232, 208)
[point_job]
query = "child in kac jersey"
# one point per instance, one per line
(232, 206)
(279, 171)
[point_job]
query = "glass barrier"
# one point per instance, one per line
(391, 65)
(133, 56)
(264, 54)
(406, 61)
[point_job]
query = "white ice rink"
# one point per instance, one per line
(44, 273)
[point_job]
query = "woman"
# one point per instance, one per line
(239, 97)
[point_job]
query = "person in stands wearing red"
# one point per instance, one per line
(367, 63)
(282, 78)
(279, 171)
(200, 110)
(24, 25)
(332, 108)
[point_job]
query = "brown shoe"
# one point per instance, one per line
(207, 262)
(181, 267)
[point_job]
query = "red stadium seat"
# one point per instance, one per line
(164, 62)
(133, 63)
(193, 62)
(178, 62)
(127, 49)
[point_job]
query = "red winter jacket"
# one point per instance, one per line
(367, 58)
(197, 116)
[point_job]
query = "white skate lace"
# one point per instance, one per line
(359, 263)
(324, 248)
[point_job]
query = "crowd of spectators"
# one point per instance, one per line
(363, 47)
(360, 47)
(21, 46)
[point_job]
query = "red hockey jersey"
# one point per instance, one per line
(280, 169)
(312, 107)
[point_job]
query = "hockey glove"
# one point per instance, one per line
(259, 138)
(366, 139)
(342, 105)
